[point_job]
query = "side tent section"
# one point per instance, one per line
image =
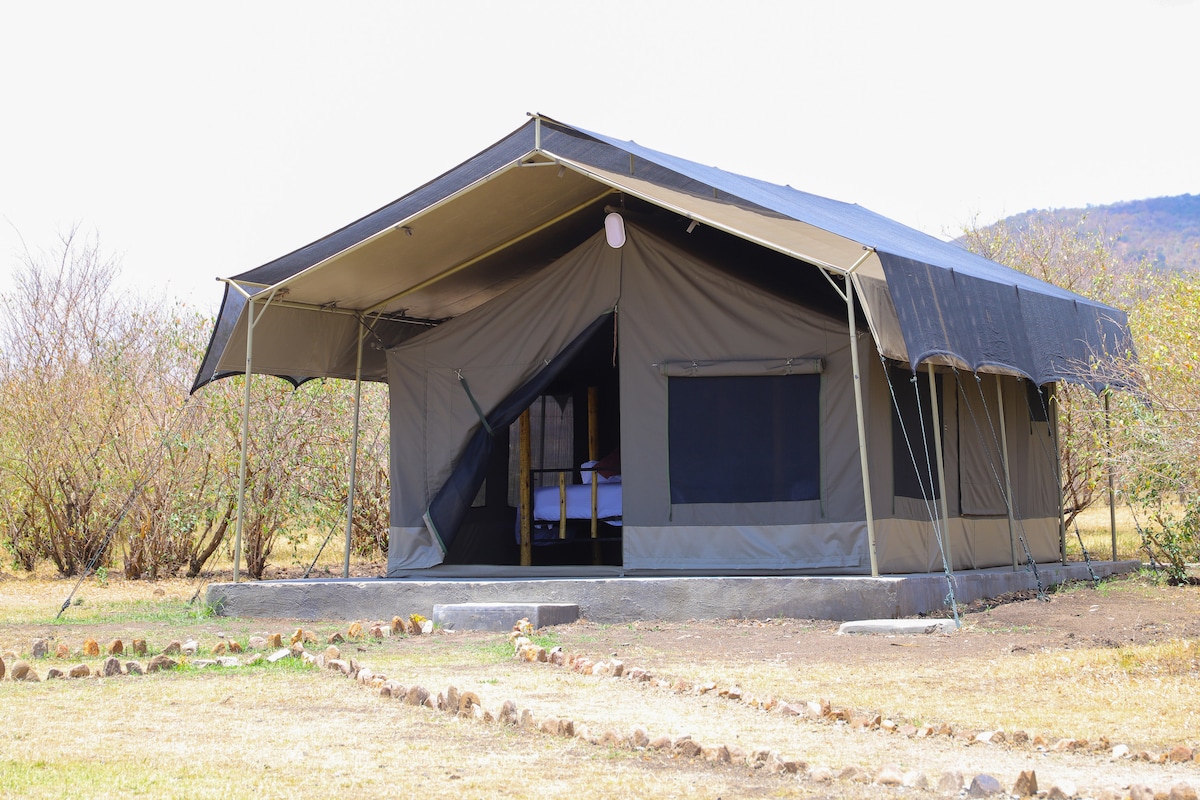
(738, 425)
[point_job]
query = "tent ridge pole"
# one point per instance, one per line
(862, 424)
(703, 220)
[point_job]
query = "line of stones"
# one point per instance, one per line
(112, 666)
(824, 712)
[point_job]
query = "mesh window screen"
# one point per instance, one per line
(744, 439)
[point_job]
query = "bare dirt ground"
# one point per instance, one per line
(1114, 665)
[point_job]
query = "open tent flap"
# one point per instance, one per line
(493, 351)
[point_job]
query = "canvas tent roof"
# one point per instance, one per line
(480, 228)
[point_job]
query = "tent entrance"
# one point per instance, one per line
(572, 421)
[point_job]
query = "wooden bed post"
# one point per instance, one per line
(594, 455)
(526, 493)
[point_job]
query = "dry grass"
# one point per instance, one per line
(291, 731)
(1095, 529)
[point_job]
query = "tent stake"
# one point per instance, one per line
(862, 425)
(1012, 525)
(353, 451)
(941, 467)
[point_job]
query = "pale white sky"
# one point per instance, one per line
(201, 140)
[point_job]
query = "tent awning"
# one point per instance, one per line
(475, 231)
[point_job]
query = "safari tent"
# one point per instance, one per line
(600, 353)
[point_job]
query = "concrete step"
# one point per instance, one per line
(502, 616)
(898, 626)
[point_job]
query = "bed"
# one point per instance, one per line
(554, 506)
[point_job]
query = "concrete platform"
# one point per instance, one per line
(502, 616)
(614, 598)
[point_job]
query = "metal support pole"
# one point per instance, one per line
(354, 451)
(941, 466)
(241, 502)
(1112, 492)
(862, 429)
(1008, 496)
(1062, 515)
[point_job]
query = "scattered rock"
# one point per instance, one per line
(394, 689)
(398, 627)
(91, 647)
(821, 775)
(111, 668)
(274, 640)
(719, 754)
(355, 631)
(617, 667)
(1180, 754)
(1140, 791)
(161, 662)
(2, 668)
(1120, 751)
(115, 648)
(219, 649)
(915, 779)
(889, 775)
(278, 655)
(235, 646)
(376, 632)
(638, 737)
(854, 774)
(332, 652)
(191, 647)
(1064, 746)
(229, 661)
(364, 676)
(139, 647)
(173, 648)
(60, 651)
(417, 695)
(950, 782)
(256, 642)
(556, 656)
(54, 673)
(1062, 789)
(1182, 791)
(1026, 785)
(133, 668)
(984, 786)
(526, 721)
(508, 713)
(660, 743)
(41, 648)
(21, 671)
(467, 701)
(687, 748)
(79, 671)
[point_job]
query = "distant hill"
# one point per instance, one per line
(1162, 230)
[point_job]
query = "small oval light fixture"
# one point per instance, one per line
(614, 230)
